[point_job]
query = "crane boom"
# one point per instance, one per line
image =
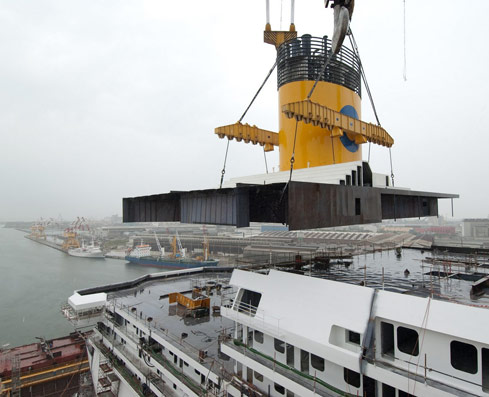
(180, 248)
(162, 252)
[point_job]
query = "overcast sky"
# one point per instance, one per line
(101, 100)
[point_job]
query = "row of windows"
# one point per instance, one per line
(316, 362)
(389, 391)
(181, 363)
(350, 377)
(463, 356)
(353, 337)
(278, 388)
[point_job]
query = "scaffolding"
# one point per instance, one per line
(107, 382)
(16, 385)
(85, 385)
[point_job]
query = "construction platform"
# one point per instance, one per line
(47, 368)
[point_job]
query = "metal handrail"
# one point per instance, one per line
(126, 374)
(154, 326)
(420, 370)
(159, 357)
(254, 315)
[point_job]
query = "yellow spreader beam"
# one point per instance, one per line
(310, 113)
(337, 123)
(248, 133)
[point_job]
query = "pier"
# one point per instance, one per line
(48, 243)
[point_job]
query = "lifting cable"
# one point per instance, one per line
(332, 148)
(362, 71)
(292, 161)
(328, 59)
(367, 87)
(292, 158)
(265, 157)
(241, 119)
(405, 61)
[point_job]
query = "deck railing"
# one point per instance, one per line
(303, 59)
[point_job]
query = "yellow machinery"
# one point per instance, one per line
(200, 301)
(174, 247)
(71, 240)
(37, 231)
(177, 250)
(319, 129)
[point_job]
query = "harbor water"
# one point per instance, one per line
(35, 280)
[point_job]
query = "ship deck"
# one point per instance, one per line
(42, 354)
(150, 301)
(414, 273)
(444, 277)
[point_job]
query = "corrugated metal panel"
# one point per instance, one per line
(302, 205)
(222, 207)
(314, 205)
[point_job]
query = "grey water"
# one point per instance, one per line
(35, 280)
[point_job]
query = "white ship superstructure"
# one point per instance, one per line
(87, 251)
(218, 332)
(141, 250)
(161, 335)
(307, 336)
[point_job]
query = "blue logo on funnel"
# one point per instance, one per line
(350, 145)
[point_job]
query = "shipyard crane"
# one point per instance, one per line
(39, 227)
(180, 248)
(205, 243)
(160, 248)
(71, 233)
(177, 249)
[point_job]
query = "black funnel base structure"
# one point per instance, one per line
(300, 205)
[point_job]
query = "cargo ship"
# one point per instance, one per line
(178, 259)
(48, 367)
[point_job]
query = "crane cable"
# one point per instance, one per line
(328, 59)
(292, 161)
(241, 119)
(292, 158)
(367, 87)
(354, 46)
(405, 60)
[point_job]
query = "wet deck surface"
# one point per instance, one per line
(423, 277)
(175, 322)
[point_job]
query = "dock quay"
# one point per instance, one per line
(45, 242)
